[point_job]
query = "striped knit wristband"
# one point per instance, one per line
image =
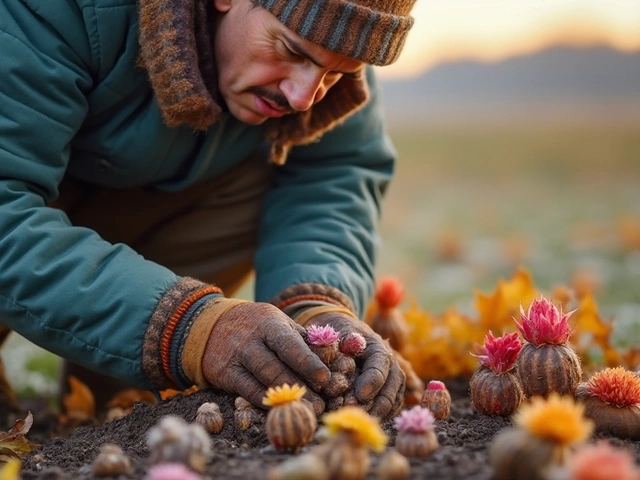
(176, 318)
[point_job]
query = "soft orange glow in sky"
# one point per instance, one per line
(495, 29)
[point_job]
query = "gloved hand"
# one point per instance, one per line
(253, 346)
(381, 378)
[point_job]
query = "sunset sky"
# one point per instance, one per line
(495, 29)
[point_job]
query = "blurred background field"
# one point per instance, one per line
(518, 134)
(470, 205)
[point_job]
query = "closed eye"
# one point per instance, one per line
(290, 53)
(354, 75)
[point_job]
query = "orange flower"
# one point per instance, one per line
(616, 386)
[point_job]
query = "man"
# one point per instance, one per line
(152, 153)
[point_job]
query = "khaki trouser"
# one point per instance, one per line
(208, 231)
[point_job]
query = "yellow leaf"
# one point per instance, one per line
(587, 320)
(10, 470)
(591, 329)
(498, 309)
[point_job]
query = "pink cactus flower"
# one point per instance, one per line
(353, 344)
(499, 354)
(436, 385)
(171, 471)
(416, 420)
(545, 323)
(322, 336)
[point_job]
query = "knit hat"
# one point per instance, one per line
(372, 31)
(176, 51)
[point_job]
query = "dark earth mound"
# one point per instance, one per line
(244, 454)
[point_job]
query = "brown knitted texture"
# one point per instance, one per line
(175, 52)
(372, 31)
(151, 347)
(306, 290)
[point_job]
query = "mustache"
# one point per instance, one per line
(279, 99)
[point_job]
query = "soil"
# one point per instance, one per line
(246, 454)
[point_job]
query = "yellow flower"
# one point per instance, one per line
(363, 427)
(10, 470)
(284, 394)
(559, 419)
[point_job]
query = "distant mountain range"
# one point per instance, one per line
(559, 84)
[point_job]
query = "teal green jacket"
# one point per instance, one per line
(72, 102)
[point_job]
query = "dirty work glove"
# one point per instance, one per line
(381, 379)
(251, 346)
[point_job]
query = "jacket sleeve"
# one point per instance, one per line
(319, 231)
(62, 287)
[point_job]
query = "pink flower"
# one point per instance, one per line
(436, 385)
(322, 336)
(171, 471)
(499, 354)
(544, 323)
(353, 344)
(416, 420)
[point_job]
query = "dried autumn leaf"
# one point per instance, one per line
(438, 346)
(14, 444)
(168, 393)
(79, 403)
(498, 309)
(126, 398)
(590, 329)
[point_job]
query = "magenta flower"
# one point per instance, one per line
(416, 420)
(322, 336)
(171, 471)
(436, 385)
(353, 344)
(544, 323)
(499, 354)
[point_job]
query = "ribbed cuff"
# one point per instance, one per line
(307, 315)
(178, 340)
(311, 292)
(166, 318)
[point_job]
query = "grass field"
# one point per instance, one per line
(468, 206)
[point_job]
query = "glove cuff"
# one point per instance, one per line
(313, 293)
(166, 326)
(307, 315)
(198, 338)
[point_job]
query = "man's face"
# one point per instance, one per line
(266, 70)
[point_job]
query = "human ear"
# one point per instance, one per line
(222, 6)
